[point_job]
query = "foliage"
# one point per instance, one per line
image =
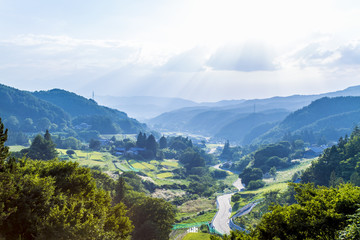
(191, 159)
(41, 148)
(319, 214)
(271, 155)
(163, 142)
(58, 200)
(17, 106)
(255, 184)
(341, 161)
(250, 174)
(153, 219)
(352, 230)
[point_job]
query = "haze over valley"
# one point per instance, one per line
(179, 120)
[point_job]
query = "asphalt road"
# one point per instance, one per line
(221, 220)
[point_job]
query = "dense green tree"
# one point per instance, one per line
(250, 174)
(352, 230)
(319, 214)
(4, 150)
(153, 219)
(58, 200)
(262, 156)
(41, 148)
(141, 140)
(163, 142)
(226, 152)
(191, 159)
(94, 144)
(338, 162)
(255, 184)
(151, 144)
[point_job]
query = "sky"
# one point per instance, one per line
(202, 50)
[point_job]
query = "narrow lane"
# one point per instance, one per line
(222, 217)
(221, 220)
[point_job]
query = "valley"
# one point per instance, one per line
(207, 179)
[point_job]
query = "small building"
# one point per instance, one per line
(120, 151)
(135, 150)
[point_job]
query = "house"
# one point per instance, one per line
(120, 151)
(135, 150)
(314, 151)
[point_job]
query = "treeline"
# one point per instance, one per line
(266, 159)
(60, 200)
(324, 206)
(338, 164)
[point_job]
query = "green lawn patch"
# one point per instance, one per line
(197, 236)
(165, 175)
(171, 163)
(150, 166)
(122, 167)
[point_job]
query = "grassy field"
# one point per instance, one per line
(16, 148)
(193, 207)
(92, 159)
(197, 236)
(281, 181)
(165, 175)
(285, 175)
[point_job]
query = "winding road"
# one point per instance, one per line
(222, 217)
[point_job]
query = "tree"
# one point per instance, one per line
(250, 174)
(151, 144)
(94, 144)
(191, 159)
(4, 150)
(58, 200)
(163, 142)
(41, 148)
(272, 172)
(153, 219)
(141, 140)
(226, 153)
(319, 214)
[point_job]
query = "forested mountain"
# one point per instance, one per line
(233, 124)
(60, 110)
(227, 119)
(20, 108)
(329, 118)
(82, 110)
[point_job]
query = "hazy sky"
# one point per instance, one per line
(204, 50)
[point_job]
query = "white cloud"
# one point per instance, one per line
(192, 60)
(319, 54)
(249, 57)
(65, 53)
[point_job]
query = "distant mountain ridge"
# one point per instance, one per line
(144, 107)
(228, 121)
(326, 117)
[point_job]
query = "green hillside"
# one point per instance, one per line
(60, 110)
(16, 106)
(83, 110)
(327, 117)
